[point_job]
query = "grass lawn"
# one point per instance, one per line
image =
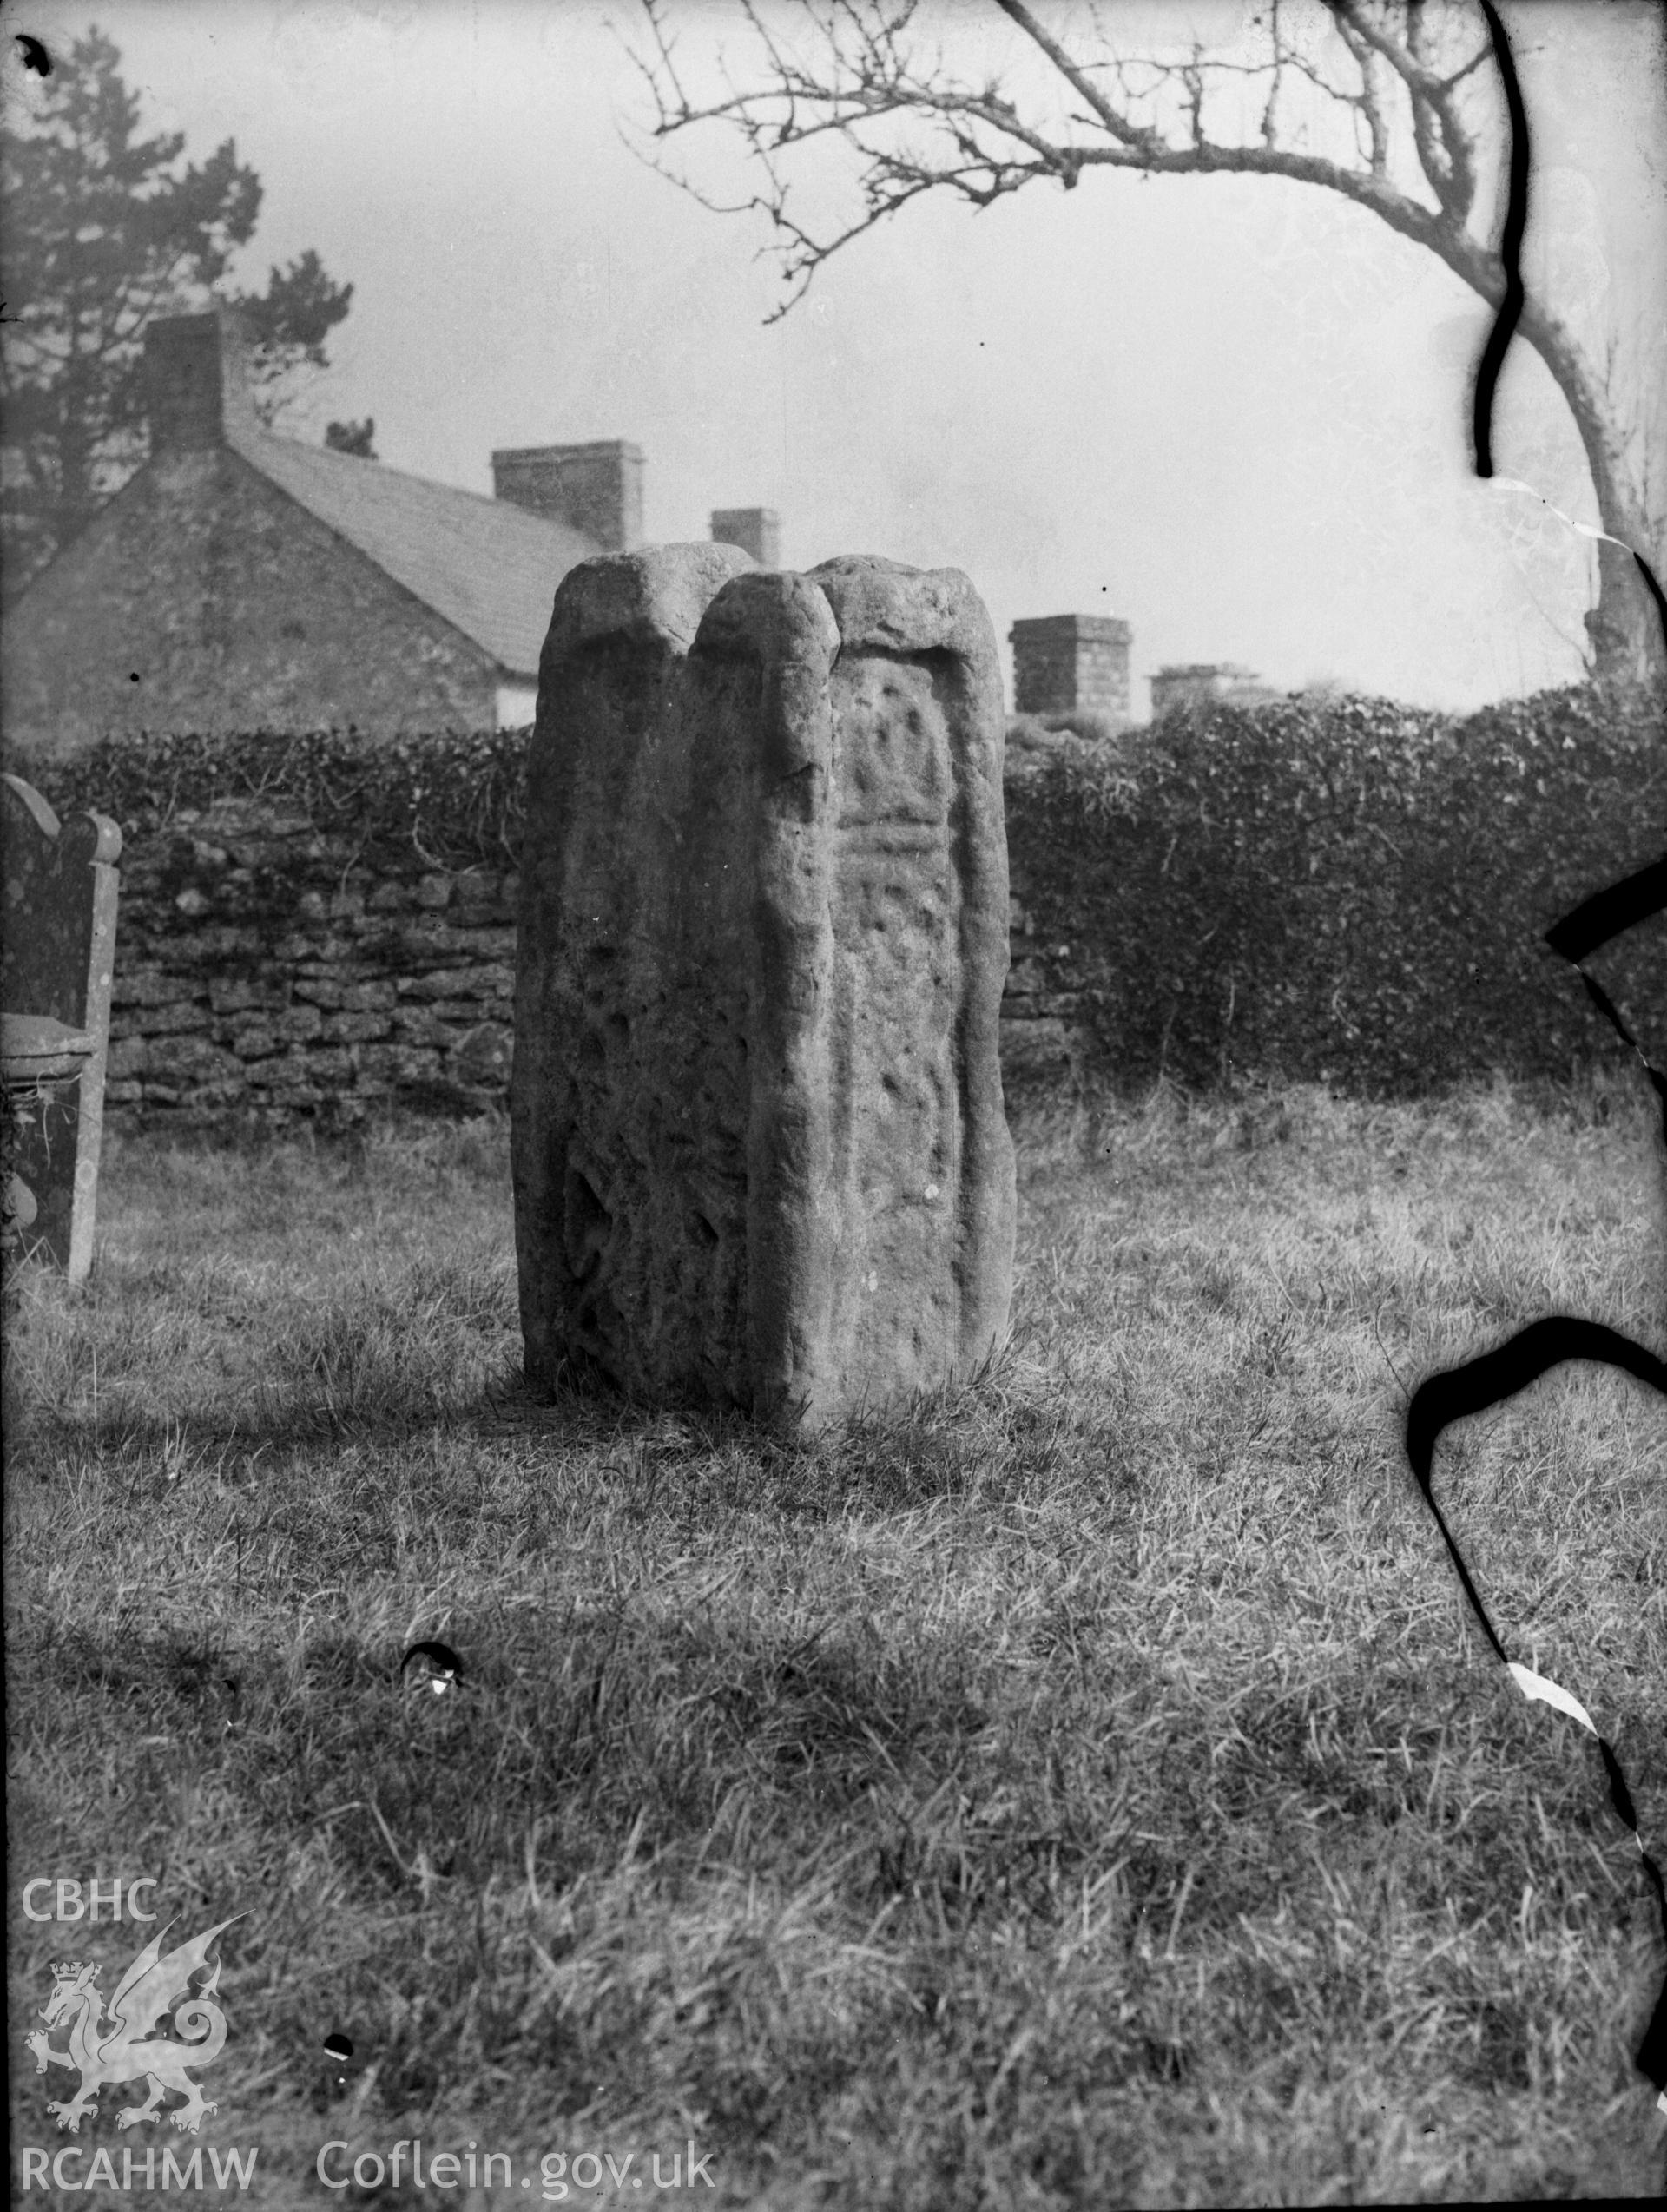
(1088, 1790)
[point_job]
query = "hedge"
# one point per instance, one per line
(457, 799)
(1352, 891)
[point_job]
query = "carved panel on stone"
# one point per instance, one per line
(759, 1147)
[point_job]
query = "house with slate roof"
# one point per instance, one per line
(243, 581)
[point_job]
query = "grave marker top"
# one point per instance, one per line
(57, 960)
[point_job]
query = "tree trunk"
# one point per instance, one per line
(75, 505)
(1625, 628)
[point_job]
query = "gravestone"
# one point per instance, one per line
(758, 1149)
(57, 960)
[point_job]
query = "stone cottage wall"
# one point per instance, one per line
(203, 598)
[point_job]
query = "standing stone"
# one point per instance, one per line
(760, 1154)
(59, 953)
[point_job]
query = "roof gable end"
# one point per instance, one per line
(488, 567)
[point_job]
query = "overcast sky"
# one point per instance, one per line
(1232, 410)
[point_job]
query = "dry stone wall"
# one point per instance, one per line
(1047, 1031)
(266, 969)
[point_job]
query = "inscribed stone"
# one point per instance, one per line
(759, 1147)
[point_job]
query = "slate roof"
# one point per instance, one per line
(490, 568)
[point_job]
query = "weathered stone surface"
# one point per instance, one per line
(328, 1066)
(476, 890)
(257, 1040)
(168, 1021)
(207, 946)
(127, 1057)
(759, 1147)
(344, 996)
(355, 1028)
(398, 1064)
(482, 1055)
(487, 981)
(1028, 1047)
(143, 987)
(61, 884)
(240, 994)
(295, 1071)
(195, 1060)
(343, 990)
(323, 953)
(431, 940)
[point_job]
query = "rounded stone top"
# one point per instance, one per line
(34, 1047)
(885, 605)
(657, 592)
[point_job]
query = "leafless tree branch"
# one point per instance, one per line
(1402, 77)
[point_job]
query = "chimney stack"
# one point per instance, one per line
(194, 374)
(757, 530)
(1066, 664)
(594, 488)
(1195, 683)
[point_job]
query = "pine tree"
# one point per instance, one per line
(105, 229)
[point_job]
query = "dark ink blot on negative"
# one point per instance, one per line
(435, 1663)
(1608, 914)
(1473, 1388)
(1516, 221)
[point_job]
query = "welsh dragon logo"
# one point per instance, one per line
(122, 2049)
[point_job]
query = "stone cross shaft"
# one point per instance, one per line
(760, 1154)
